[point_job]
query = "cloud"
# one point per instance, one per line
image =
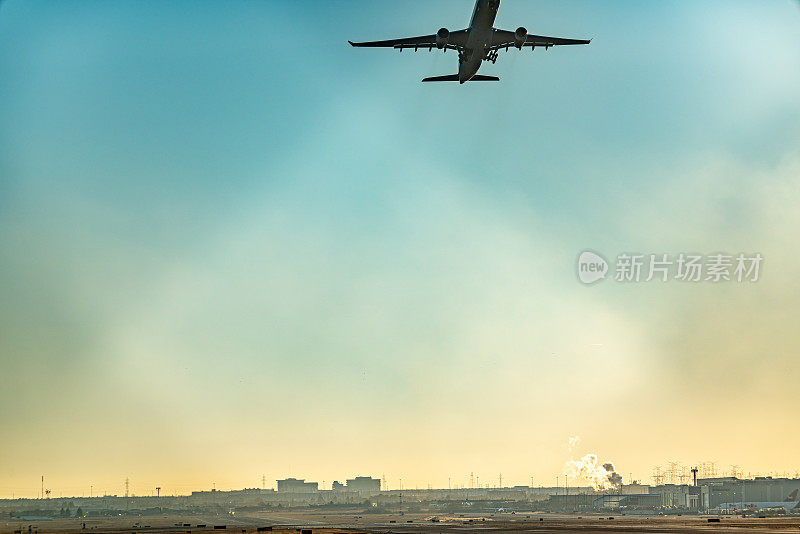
(733, 207)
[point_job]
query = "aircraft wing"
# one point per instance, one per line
(504, 38)
(455, 41)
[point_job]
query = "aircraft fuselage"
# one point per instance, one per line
(481, 28)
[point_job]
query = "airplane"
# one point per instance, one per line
(476, 44)
(790, 504)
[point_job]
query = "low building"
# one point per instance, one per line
(364, 485)
(294, 485)
(644, 501)
(679, 496)
(760, 489)
(572, 502)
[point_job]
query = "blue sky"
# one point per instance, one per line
(217, 215)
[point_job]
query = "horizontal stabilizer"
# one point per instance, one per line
(454, 78)
(448, 78)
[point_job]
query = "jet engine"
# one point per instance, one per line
(441, 38)
(520, 36)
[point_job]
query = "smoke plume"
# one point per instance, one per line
(601, 477)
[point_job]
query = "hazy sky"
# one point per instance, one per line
(231, 245)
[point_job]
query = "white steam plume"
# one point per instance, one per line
(601, 477)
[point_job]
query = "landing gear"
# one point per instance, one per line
(491, 56)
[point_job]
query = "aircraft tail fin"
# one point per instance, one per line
(454, 78)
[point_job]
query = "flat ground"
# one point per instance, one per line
(289, 522)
